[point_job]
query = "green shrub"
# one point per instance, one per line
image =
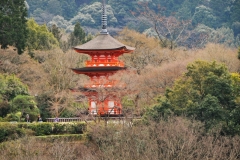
(17, 130)
(41, 129)
(10, 131)
(12, 117)
(77, 128)
(23, 125)
(59, 128)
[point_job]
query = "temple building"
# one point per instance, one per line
(104, 51)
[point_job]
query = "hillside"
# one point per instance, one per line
(205, 18)
(179, 92)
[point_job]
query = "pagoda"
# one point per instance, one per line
(104, 51)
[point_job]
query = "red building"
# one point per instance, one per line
(104, 51)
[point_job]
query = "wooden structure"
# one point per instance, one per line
(104, 51)
(75, 119)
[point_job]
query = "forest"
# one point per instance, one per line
(182, 79)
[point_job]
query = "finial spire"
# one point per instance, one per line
(104, 19)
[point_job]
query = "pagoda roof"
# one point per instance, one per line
(103, 42)
(83, 89)
(97, 69)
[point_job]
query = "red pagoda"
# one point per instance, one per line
(104, 51)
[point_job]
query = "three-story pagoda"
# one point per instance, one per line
(104, 51)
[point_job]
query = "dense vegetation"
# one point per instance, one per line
(175, 139)
(183, 78)
(13, 20)
(208, 93)
(203, 20)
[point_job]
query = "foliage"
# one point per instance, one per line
(78, 128)
(11, 86)
(235, 11)
(13, 28)
(223, 36)
(41, 129)
(59, 22)
(77, 36)
(25, 105)
(187, 9)
(204, 16)
(56, 32)
(64, 8)
(170, 31)
(71, 127)
(221, 9)
(44, 104)
(90, 14)
(15, 101)
(39, 37)
(122, 13)
(10, 132)
(177, 138)
(147, 50)
(205, 92)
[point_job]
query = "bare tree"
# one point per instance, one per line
(170, 31)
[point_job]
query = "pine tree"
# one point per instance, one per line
(13, 27)
(79, 33)
(77, 36)
(235, 11)
(56, 32)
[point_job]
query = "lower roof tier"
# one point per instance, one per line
(97, 70)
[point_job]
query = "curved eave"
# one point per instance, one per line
(82, 89)
(97, 70)
(103, 42)
(100, 51)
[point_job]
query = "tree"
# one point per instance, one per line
(15, 99)
(89, 15)
(11, 86)
(77, 36)
(170, 31)
(25, 105)
(205, 92)
(147, 50)
(187, 9)
(54, 7)
(204, 15)
(235, 11)
(13, 27)
(223, 14)
(39, 37)
(56, 32)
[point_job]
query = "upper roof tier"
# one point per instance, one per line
(103, 42)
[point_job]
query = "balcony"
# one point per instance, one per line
(104, 63)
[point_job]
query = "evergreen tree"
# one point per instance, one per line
(235, 11)
(39, 37)
(77, 36)
(10, 87)
(56, 32)
(79, 32)
(13, 27)
(221, 10)
(207, 92)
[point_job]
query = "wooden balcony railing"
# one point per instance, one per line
(75, 119)
(104, 63)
